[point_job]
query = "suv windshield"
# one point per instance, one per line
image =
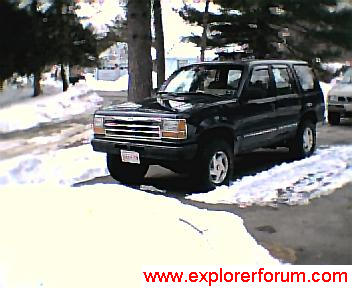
(205, 79)
(347, 78)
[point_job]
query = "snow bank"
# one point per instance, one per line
(102, 236)
(67, 166)
(56, 235)
(12, 93)
(290, 183)
(40, 110)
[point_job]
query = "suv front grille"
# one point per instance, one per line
(130, 128)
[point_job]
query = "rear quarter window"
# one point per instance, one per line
(305, 76)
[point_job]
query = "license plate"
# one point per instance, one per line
(130, 157)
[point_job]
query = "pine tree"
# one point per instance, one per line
(282, 28)
(73, 44)
(117, 32)
(36, 38)
(39, 51)
(14, 38)
(139, 47)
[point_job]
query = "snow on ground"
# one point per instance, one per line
(66, 166)
(326, 87)
(290, 183)
(102, 236)
(35, 111)
(120, 84)
(56, 235)
(12, 93)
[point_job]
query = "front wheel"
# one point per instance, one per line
(214, 166)
(125, 172)
(304, 144)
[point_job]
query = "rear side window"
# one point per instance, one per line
(259, 82)
(305, 76)
(282, 81)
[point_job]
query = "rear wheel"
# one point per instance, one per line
(125, 172)
(214, 166)
(304, 144)
(334, 118)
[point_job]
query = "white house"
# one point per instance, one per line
(182, 54)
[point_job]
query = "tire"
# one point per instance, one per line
(214, 165)
(334, 118)
(125, 172)
(304, 144)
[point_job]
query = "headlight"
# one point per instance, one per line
(98, 125)
(333, 98)
(174, 129)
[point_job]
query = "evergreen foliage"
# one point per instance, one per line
(33, 38)
(278, 29)
(117, 33)
(12, 21)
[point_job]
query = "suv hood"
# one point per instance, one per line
(166, 104)
(341, 90)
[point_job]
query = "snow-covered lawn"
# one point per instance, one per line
(12, 93)
(66, 166)
(102, 236)
(34, 111)
(56, 235)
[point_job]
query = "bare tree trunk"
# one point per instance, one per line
(205, 28)
(139, 46)
(1, 84)
(159, 42)
(64, 78)
(36, 84)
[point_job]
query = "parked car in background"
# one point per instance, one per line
(340, 99)
(76, 73)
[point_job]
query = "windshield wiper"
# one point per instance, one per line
(201, 92)
(198, 92)
(172, 93)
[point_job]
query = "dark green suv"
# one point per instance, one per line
(205, 114)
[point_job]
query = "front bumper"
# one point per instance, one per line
(345, 109)
(147, 151)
